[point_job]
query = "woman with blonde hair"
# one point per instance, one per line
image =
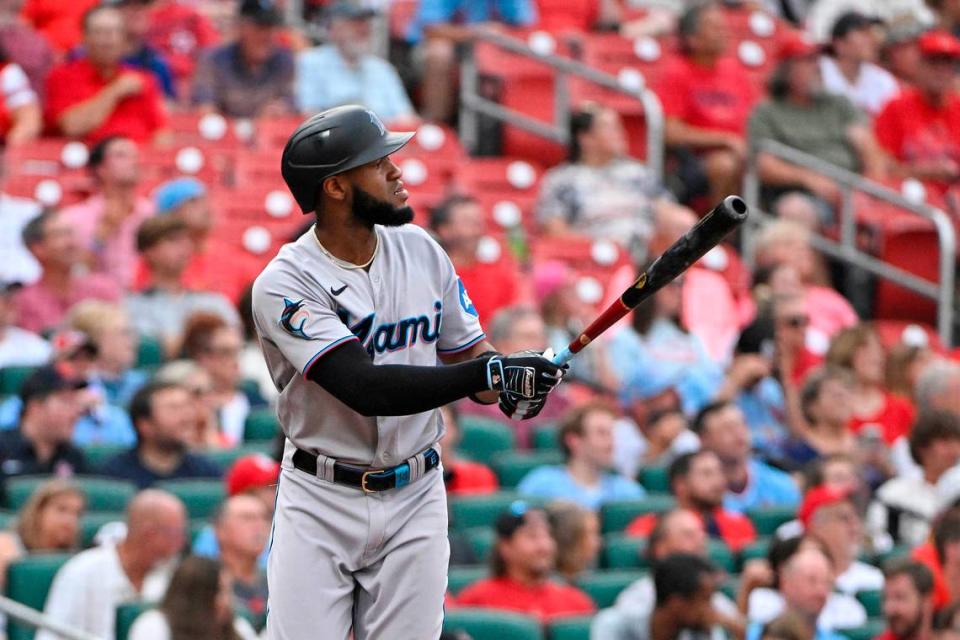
(49, 521)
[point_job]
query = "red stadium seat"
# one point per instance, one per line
(499, 175)
(893, 332)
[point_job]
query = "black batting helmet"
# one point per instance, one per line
(331, 142)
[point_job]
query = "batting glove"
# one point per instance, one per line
(524, 379)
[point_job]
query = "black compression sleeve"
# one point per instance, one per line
(391, 389)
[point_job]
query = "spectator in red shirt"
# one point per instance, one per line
(215, 265)
(521, 561)
(907, 601)
(95, 96)
(180, 32)
(57, 20)
(942, 556)
(43, 305)
(493, 279)
(858, 350)
(461, 477)
(698, 483)
(921, 127)
(707, 98)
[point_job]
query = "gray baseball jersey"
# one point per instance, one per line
(407, 309)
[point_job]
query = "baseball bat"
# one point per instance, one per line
(702, 237)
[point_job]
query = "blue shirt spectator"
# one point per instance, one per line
(586, 437)
(755, 632)
(665, 351)
(152, 61)
(764, 409)
(104, 424)
(511, 12)
(750, 483)
(345, 71)
(164, 416)
(766, 487)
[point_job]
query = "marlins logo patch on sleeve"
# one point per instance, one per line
(465, 302)
(294, 318)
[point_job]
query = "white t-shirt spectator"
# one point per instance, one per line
(871, 91)
(18, 264)
(88, 589)
(906, 505)
(20, 348)
(153, 625)
(15, 87)
(858, 577)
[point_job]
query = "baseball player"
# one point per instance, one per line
(367, 330)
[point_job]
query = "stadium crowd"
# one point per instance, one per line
(757, 452)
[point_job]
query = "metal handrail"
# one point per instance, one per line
(849, 182)
(473, 104)
(34, 618)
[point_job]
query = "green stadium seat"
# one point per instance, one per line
(654, 479)
(512, 466)
(127, 614)
(195, 527)
(872, 601)
(91, 523)
(484, 439)
(201, 497)
(460, 577)
(615, 516)
(223, 458)
(573, 628)
(730, 587)
(754, 550)
(7, 519)
(623, 552)
(768, 519)
(149, 353)
(545, 438)
(492, 624)
(28, 582)
(873, 628)
(261, 424)
(103, 494)
(720, 554)
(898, 551)
(98, 454)
(467, 512)
(604, 586)
(11, 378)
(481, 540)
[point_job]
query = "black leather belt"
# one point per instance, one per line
(370, 480)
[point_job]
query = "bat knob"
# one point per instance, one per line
(734, 207)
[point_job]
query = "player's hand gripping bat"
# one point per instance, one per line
(702, 237)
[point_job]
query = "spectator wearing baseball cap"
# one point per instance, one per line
(162, 311)
(18, 347)
(921, 127)
(254, 475)
(251, 76)
(832, 516)
(522, 559)
(214, 265)
(41, 442)
(825, 125)
(850, 67)
(346, 71)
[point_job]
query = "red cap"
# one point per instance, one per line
(939, 43)
(795, 46)
(819, 497)
(252, 472)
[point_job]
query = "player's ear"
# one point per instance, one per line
(335, 187)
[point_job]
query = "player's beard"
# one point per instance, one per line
(370, 210)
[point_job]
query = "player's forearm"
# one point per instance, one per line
(395, 390)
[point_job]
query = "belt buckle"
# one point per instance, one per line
(363, 480)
